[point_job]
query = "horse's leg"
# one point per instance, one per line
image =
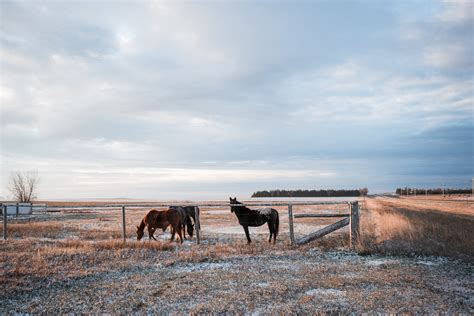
(173, 231)
(181, 237)
(153, 232)
(246, 229)
(276, 224)
(180, 233)
(270, 227)
(183, 231)
(274, 232)
(150, 232)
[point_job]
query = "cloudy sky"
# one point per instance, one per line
(192, 100)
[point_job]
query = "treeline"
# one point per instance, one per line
(310, 193)
(418, 191)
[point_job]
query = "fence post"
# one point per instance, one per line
(4, 209)
(17, 209)
(198, 225)
(355, 233)
(290, 223)
(124, 230)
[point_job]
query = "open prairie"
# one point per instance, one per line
(109, 108)
(415, 256)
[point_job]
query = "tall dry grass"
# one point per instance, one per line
(34, 229)
(400, 229)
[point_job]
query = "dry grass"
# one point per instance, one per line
(139, 277)
(461, 206)
(114, 244)
(399, 228)
(58, 230)
(35, 229)
(76, 256)
(30, 263)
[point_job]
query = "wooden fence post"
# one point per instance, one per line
(4, 209)
(290, 223)
(124, 228)
(198, 225)
(17, 209)
(355, 233)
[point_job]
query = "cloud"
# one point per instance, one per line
(354, 93)
(200, 175)
(242, 87)
(457, 12)
(444, 37)
(448, 57)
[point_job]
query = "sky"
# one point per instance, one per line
(210, 99)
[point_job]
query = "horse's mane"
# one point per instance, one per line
(240, 208)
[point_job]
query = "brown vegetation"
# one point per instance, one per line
(79, 262)
(401, 226)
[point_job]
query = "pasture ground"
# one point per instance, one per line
(413, 258)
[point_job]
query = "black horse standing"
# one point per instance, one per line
(253, 218)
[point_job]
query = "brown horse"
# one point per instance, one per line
(152, 220)
(176, 217)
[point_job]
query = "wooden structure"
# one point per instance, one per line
(351, 218)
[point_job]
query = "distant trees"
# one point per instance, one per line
(310, 193)
(23, 186)
(418, 191)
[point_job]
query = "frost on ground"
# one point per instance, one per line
(202, 266)
(255, 279)
(334, 293)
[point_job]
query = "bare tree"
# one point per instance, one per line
(23, 186)
(364, 191)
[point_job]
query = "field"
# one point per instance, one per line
(415, 256)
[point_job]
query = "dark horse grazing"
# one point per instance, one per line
(253, 218)
(188, 223)
(176, 217)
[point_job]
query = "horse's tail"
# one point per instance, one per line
(277, 224)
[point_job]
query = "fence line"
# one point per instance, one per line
(180, 204)
(467, 200)
(197, 213)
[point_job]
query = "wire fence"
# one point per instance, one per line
(113, 220)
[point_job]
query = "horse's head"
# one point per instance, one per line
(139, 233)
(233, 201)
